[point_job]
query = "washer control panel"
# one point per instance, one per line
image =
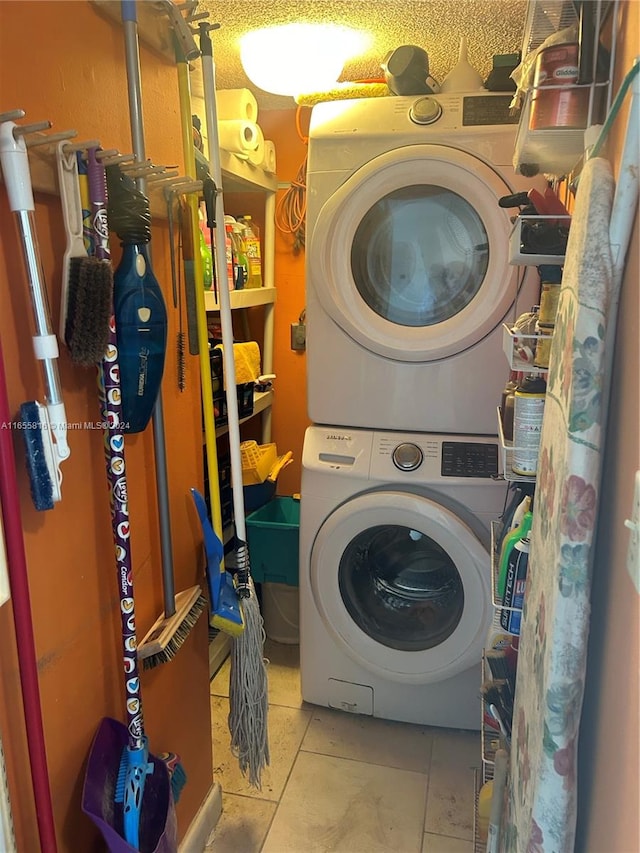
(407, 456)
(469, 459)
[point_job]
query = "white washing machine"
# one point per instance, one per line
(395, 572)
(408, 279)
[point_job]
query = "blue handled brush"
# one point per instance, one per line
(44, 427)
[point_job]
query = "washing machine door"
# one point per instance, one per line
(410, 254)
(402, 584)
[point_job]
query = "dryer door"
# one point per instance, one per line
(410, 254)
(402, 584)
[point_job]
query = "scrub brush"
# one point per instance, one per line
(87, 282)
(44, 426)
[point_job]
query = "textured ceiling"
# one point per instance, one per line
(491, 27)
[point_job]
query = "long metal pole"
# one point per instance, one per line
(132, 55)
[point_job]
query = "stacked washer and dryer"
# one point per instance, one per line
(408, 284)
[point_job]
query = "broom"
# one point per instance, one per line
(181, 611)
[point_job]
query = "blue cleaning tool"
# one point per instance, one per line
(226, 613)
(139, 307)
(141, 323)
(44, 427)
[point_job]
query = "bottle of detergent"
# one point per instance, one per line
(254, 258)
(242, 263)
(205, 252)
(516, 578)
(508, 544)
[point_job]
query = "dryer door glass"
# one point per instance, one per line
(401, 588)
(419, 255)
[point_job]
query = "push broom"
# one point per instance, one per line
(181, 611)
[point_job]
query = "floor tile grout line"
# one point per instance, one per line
(426, 796)
(362, 761)
(286, 781)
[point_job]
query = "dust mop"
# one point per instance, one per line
(248, 699)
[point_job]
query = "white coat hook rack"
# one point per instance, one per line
(12, 115)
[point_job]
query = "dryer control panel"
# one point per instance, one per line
(469, 459)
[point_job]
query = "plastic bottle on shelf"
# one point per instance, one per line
(516, 576)
(205, 254)
(520, 532)
(242, 264)
(230, 252)
(529, 399)
(254, 257)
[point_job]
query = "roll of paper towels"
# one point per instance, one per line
(269, 162)
(236, 103)
(256, 156)
(239, 136)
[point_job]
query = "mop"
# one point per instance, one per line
(248, 693)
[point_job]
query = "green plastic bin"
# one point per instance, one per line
(273, 533)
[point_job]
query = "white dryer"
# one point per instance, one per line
(395, 572)
(407, 272)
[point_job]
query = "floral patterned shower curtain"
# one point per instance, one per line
(542, 801)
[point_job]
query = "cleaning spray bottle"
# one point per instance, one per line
(510, 540)
(252, 245)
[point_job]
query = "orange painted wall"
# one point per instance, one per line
(290, 406)
(63, 62)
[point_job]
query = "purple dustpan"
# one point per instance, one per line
(158, 825)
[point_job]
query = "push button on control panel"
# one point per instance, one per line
(407, 456)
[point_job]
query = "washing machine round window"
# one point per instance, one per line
(419, 255)
(402, 585)
(401, 588)
(418, 228)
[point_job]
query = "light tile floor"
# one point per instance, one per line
(339, 783)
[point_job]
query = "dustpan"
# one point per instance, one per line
(158, 824)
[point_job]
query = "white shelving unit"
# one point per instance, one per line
(517, 257)
(240, 176)
(558, 150)
(520, 350)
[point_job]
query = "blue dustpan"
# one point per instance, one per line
(158, 824)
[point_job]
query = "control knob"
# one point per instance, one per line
(425, 111)
(407, 456)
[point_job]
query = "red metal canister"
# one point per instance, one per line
(556, 100)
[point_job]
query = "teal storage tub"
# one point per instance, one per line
(273, 534)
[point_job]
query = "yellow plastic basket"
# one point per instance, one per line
(257, 461)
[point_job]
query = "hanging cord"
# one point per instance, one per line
(291, 209)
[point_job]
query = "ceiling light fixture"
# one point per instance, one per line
(295, 58)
